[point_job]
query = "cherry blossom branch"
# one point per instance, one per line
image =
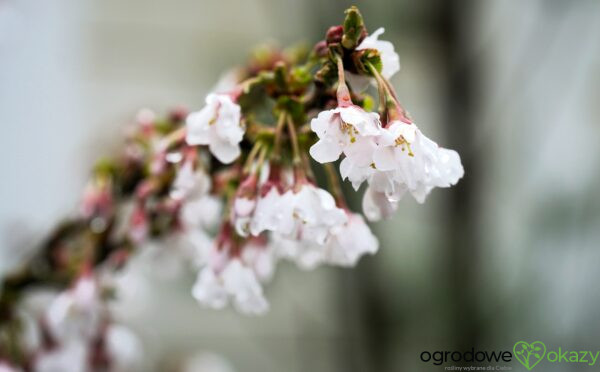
(224, 168)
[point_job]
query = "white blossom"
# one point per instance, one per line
(271, 211)
(236, 283)
(389, 58)
(350, 242)
(349, 130)
(414, 163)
(260, 257)
(376, 205)
(190, 183)
(76, 313)
(305, 214)
(217, 125)
(346, 245)
(314, 215)
(209, 289)
(338, 129)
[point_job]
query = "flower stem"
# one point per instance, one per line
(251, 156)
(343, 93)
(278, 131)
(386, 89)
(296, 160)
(381, 92)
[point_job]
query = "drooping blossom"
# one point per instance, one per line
(389, 58)
(272, 203)
(189, 181)
(314, 214)
(346, 245)
(376, 204)
(412, 162)
(340, 128)
(199, 213)
(350, 130)
(260, 255)
(227, 279)
(217, 125)
(235, 283)
(349, 242)
(304, 212)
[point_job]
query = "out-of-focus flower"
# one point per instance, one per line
(271, 207)
(350, 242)
(346, 245)
(259, 255)
(76, 313)
(217, 125)
(236, 283)
(314, 215)
(389, 58)
(190, 182)
(414, 163)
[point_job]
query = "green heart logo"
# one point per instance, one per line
(529, 354)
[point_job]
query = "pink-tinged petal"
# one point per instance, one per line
(326, 150)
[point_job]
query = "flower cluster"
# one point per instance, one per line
(232, 188)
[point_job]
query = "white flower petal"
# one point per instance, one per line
(326, 150)
(209, 290)
(385, 159)
(224, 151)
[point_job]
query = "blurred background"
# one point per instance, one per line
(509, 254)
